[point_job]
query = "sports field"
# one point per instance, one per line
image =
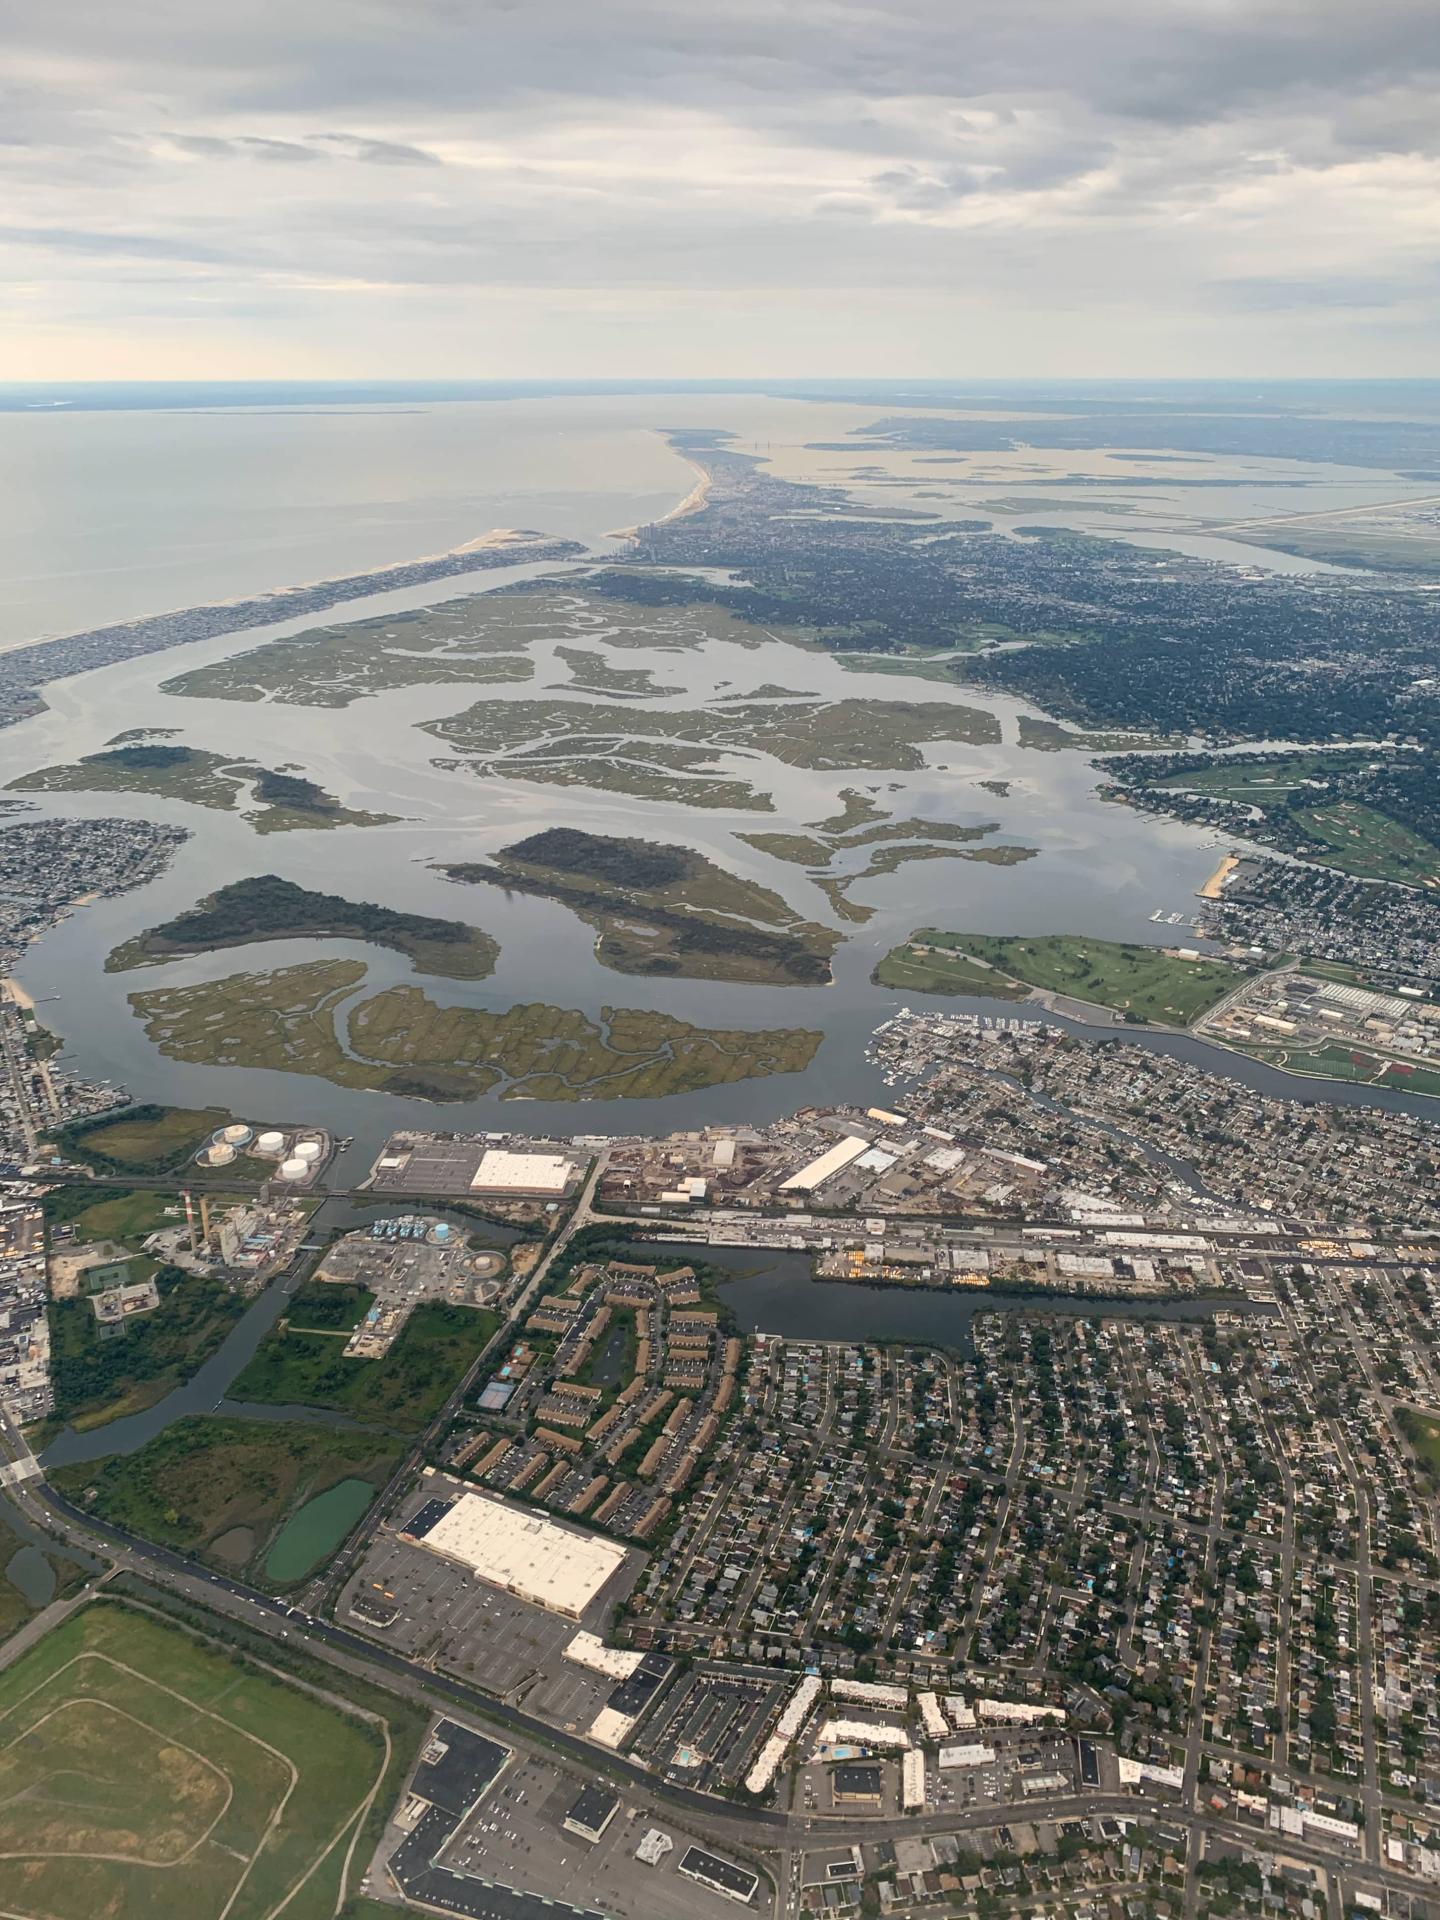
(145, 1775)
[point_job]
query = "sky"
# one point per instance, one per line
(625, 188)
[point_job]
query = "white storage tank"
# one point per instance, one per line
(294, 1168)
(218, 1154)
(308, 1150)
(271, 1142)
(237, 1134)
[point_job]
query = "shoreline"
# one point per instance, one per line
(218, 619)
(693, 503)
(1214, 887)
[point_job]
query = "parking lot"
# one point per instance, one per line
(960, 1789)
(430, 1608)
(516, 1836)
(430, 1163)
(1002, 1781)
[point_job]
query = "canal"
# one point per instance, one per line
(205, 1391)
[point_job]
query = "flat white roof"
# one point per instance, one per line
(616, 1663)
(818, 1171)
(609, 1728)
(527, 1554)
(501, 1171)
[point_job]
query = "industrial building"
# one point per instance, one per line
(830, 1163)
(539, 1176)
(521, 1552)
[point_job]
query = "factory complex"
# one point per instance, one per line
(294, 1156)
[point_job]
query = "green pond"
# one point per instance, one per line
(314, 1531)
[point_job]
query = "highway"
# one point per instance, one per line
(752, 1831)
(774, 1834)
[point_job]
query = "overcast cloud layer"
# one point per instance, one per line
(618, 187)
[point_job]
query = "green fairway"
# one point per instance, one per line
(1368, 844)
(1258, 780)
(1140, 981)
(145, 1775)
(224, 1490)
(404, 1390)
(929, 962)
(1298, 795)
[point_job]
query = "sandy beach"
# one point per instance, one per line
(1215, 885)
(693, 502)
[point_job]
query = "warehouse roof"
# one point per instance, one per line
(830, 1162)
(503, 1172)
(526, 1553)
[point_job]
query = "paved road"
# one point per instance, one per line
(332, 1579)
(750, 1831)
(747, 1831)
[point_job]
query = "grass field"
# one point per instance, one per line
(1400, 547)
(1261, 779)
(125, 1216)
(1341, 833)
(147, 1776)
(145, 1140)
(1337, 1062)
(1142, 981)
(402, 1391)
(1368, 844)
(223, 1489)
(1422, 1430)
(928, 962)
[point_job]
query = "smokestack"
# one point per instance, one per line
(190, 1219)
(205, 1218)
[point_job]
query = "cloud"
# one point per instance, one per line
(883, 186)
(82, 244)
(314, 146)
(207, 146)
(380, 153)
